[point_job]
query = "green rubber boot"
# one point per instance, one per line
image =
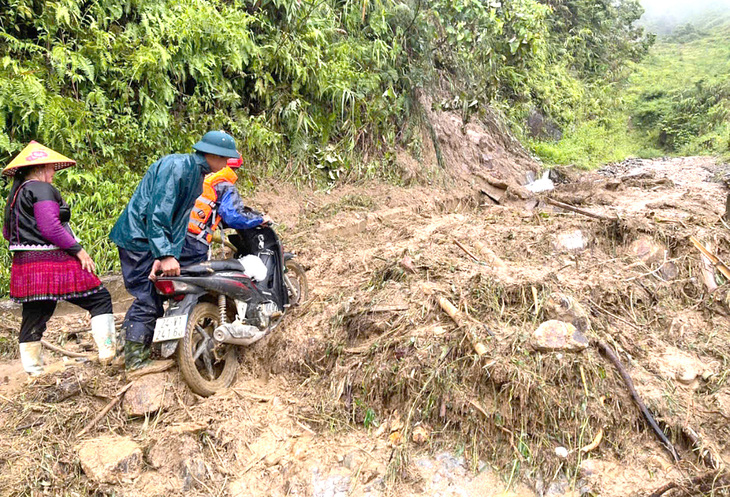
(137, 361)
(136, 355)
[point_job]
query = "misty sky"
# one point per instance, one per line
(681, 8)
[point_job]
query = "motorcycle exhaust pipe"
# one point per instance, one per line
(237, 333)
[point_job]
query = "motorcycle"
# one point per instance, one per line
(218, 305)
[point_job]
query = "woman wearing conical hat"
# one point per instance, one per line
(49, 264)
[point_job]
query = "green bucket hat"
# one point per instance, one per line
(217, 143)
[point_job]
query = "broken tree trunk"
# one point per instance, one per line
(577, 210)
(461, 321)
(637, 399)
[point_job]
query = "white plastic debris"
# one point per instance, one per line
(544, 184)
(253, 267)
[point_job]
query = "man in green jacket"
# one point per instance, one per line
(151, 231)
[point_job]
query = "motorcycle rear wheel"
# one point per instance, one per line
(205, 370)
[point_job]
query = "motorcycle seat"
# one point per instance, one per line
(211, 267)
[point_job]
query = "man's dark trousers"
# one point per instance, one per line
(139, 323)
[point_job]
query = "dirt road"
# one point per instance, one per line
(370, 388)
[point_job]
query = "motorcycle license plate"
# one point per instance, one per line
(170, 328)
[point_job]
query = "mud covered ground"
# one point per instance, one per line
(370, 388)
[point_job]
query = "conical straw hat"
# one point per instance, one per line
(36, 154)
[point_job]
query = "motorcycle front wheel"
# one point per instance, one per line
(296, 282)
(205, 366)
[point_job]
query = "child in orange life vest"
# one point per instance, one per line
(219, 202)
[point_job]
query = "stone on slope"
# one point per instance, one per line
(148, 394)
(110, 458)
(565, 308)
(647, 250)
(556, 335)
(571, 241)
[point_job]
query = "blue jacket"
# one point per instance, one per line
(231, 209)
(156, 217)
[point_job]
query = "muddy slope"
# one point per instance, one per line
(370, 388)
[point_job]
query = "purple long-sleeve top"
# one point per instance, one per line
(38, 220)
(47, 215)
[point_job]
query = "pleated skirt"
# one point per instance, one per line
(49, 275)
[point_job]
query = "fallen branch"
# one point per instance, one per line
(703, 483)
(637, 399)
(157, 366)
(466, 251)
(577, 210)
(619, 318)
(708, 457)
(491, 257)
(32, 424)
(65, 352)
(716, 262)
(117, 398)
(306, 428)
(377, 309)
(248, 395)
(460, 320)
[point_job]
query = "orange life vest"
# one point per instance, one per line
(204, 210)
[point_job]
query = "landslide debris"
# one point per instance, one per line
(370, 387)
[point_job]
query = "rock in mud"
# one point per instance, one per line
(565, 308)
(556, 335)
(110, 459)
(193, 471)
(148, 394)
(329, 485)
(687, 376)
(647, 250)
(421, 434)
(170, 452)
(561, 489)
(669, 271)
(571, 241)
(542, 127)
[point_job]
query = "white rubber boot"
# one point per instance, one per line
(102, 329)
(31, 357)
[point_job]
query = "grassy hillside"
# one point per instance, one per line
(675, 102)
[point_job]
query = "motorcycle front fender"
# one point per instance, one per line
(178, 308)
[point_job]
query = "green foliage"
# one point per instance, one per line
(594, 142)
(598, 36)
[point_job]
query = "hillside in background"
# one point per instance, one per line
(675, 102)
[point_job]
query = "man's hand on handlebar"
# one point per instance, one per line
(267, 220)
(168, 266)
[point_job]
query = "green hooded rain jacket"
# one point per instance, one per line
(156, 217)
